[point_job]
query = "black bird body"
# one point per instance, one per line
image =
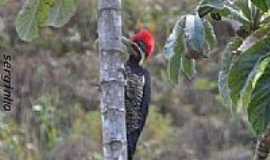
(137, 99)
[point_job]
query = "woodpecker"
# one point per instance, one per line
(137, 88)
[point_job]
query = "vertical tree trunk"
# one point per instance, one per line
(112, 80)
(263, 146)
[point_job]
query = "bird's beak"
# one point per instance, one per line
(131, 44)
(142, 57)
(137, 51)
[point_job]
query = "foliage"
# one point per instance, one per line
(242, 11)
(249, 67)
(36, 14)
(246, 69)
(186, 43)
(195, 36)
(242, 81)
(173, 48)
(258, 108)
(244, 63)
(28, 21)
(262, 4)
(61, 12)
(207, 6)
(225, 69)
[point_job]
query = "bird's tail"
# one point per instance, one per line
(132, 139)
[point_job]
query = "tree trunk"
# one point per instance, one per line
(112, 80)
(263, 146)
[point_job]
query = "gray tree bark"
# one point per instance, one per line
(112, 80)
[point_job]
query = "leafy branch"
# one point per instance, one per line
(37, 14)
(244, 73)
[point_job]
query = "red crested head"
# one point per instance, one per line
(145, 41)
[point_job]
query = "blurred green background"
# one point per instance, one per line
(56, 115)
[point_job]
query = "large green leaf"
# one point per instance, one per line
(194, 36)
(173, 40)
(208, 6)
(235, 14)
(227, 61)
(174, 65)
(44, 10)
(210, 35)
(174, 68)
(27, 21)
(258, 70)
(262, 4)
(244, 6)
(256, 17)
(31, 17)
(242, 68)
(259, 107)
(188, 67)
(61, 12)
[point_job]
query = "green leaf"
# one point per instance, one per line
(256, 17)
(61, 12)
(227, 61)
(242, 68)
(194, 32)
(261, 4)
(259, 108)
(174, 68)
(188, 67)
(243, 5)
(210, 35)
(194, 36)
(174, 65)
(208, 6)
(235, 14)
(27, 21)
(43, 11)
(31, 18)
(171, 43)
(258, 70)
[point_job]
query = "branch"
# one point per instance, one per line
(263, 146)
